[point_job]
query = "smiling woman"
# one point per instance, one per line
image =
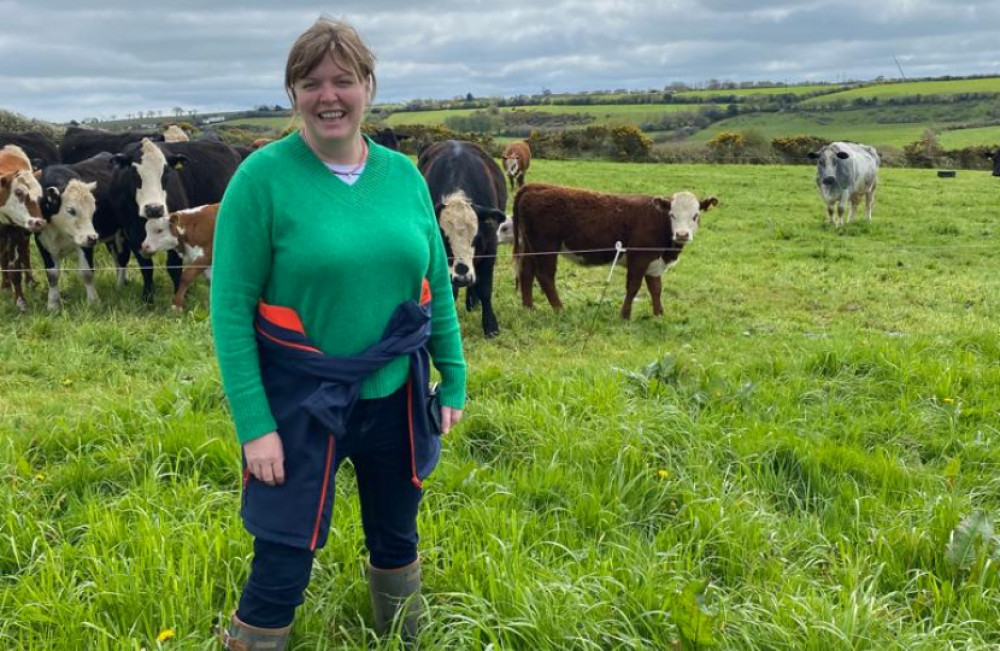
(327, 254)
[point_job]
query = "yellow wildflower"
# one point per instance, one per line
(949, 401)
(663, 474)
(165, 635)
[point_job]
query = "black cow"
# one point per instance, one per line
(37, 146)
(80, 144)
(386, 137)
(469, 194)
(152, 179)
(995, 156)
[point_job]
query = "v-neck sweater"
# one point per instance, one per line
(342, 256)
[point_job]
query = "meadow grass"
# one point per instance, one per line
(805, 89)
(803, 429)
(602, 113)
(910, 88)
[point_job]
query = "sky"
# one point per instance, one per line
(103, 58)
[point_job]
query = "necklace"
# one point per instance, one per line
(355, 171)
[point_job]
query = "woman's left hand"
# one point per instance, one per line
(449, 416)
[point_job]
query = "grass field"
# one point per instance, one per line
(958, 138)
(802, 431)
(751, 92)
(903, 89)
(603, 114)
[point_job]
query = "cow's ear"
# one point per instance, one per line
(51, 201)
(37, 174)
(91, 186)
(708, 203)
(121, 161)
(177, 161)
(812, 155)
(490, 214)
(843, 155)
(37, 163)
(173, 218)
(662, 203)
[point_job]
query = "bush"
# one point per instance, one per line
(926, 152)
(796, 149)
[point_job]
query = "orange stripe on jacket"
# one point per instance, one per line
(284, 317)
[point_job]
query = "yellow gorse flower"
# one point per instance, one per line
(165, 635)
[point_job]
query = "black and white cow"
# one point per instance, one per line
(995, 157)
(79, 144)
(40, 150)
(469, 194)
(152, 179)
(68, 206)
(846, 171)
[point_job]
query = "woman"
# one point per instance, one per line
(327, 255)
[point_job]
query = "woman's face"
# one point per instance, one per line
(332, 102)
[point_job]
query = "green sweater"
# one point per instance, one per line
(344, 257)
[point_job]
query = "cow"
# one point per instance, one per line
(152, 179)
(586, 226)
(469, 195)
(20, 213)
(387, 137)
(68, 206)
(995, 157)
(80, 144)
(844, 172)
(190, 233)
(40, 150)
(516, 161)
(173, 133)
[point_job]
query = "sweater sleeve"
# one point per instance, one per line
(445, 345)
(241, 264)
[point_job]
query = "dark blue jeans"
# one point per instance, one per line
(376, 443)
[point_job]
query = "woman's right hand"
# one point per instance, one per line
(266, 458)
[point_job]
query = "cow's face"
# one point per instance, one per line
(20, 199)
(505, 232)
(685, 214)
(148, 168)
(161, 235)
(459, 225)
(831, 172)
(511, 164)
(75, 217)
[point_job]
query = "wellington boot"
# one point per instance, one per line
(393, 591)
(243, 637)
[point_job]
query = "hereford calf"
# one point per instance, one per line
(516, 160)
(68, 205)
(173, 133)
(190, 233)
(20, 194)
(585, 226)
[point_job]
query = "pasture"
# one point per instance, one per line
(777, 463)
(940, 87)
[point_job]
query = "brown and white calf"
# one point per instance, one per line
(516, 160)
(173, 133)
(190, 233)
(69, 206)
(20, 213)
(585, 226)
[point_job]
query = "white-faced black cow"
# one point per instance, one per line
(40, 150)
(68, 206)
(469, 194)
(79, 144)
(153, 179)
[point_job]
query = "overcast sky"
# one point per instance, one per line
(61, 61)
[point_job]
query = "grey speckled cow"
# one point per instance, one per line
(844, 172)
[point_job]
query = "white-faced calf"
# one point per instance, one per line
(189, 233)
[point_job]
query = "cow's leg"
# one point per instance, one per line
(52, 273)
(10, 258)
(829, 213)
(483, 288)
(25, 255)
(654, 284)
(633, 282)
(472, 296)
(869, 202)
(526, 279)
(187, 277)
(545, 271)
(174, 268)
(87, 273)
(841, 205)
(855, 200)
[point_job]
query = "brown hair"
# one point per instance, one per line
(335, 38)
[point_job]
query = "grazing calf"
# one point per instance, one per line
(585, 226)
(844, 172)
(20, 212)
(190, 233)
(68, 205)
(516, 160)
(469, 195)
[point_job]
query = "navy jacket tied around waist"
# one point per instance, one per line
(298, 376)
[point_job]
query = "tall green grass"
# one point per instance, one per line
(803, 430)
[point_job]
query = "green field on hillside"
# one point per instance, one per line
(781, 461)
(603, 114)
(959, 138)
(751, 92)
(902, 89)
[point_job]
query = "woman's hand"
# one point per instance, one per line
(266, 458)
(449, 416)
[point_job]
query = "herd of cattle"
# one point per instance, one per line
(143, 193)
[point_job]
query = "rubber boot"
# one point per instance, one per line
(393, 591)
(243, 637)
